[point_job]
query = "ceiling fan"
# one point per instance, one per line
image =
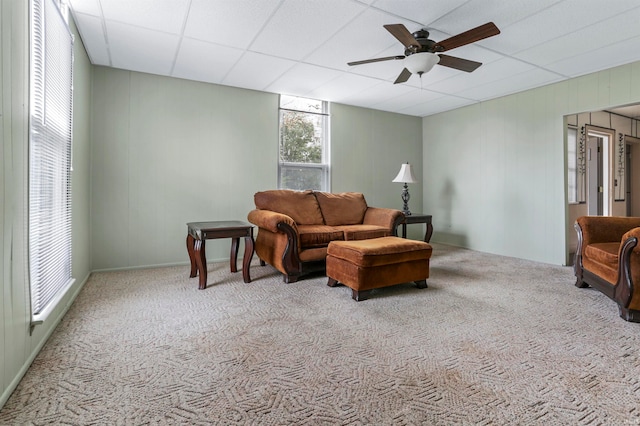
(422, 54)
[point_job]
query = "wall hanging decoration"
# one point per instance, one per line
(582, 165)
(619, 182)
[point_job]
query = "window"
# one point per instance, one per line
(50, 129)
(304, 148)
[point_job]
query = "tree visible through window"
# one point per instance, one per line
(303, 158)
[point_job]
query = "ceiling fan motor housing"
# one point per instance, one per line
(426, 45)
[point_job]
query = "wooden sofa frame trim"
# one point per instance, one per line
(622, 291)
(291, 261)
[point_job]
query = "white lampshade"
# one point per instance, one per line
(422, 62)
(406, 174)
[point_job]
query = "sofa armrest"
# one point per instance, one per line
(269, 220)
(389, 218)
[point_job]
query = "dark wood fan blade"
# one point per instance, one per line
(403, 35)
(483, 31)
(368, 61)
(404, 76)
(458, 63)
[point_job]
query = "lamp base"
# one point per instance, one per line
(405, 200)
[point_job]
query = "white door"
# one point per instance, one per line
(594, 176)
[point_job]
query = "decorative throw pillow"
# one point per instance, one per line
(346, 208)
(301, 206)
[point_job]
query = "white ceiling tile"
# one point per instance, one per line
(341, 88)
(494, 71)
(419, 11)
(138, 49)
(89, 7)
(441, 104)
(229, 22)
(302, 79)
(301, 47)
(202, 61)
(382, 90)
(363, 38)
(160, 15)
(93, 38)
(511, 84)
(560, 19)
(413, 96)
(297, 28)
(257, 71)
(477, 12)
(594, 38)
(614, 55)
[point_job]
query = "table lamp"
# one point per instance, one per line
(405, 175)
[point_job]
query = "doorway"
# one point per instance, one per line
(597, 173)
(632, 168)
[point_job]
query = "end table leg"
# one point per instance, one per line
(201, 262)
(233, 256)
(192, 258)
(427, 235)
(246, 260)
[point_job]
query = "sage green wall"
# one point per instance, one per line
(494, 172)
(167, 151)
(18, 347)
(367, 149)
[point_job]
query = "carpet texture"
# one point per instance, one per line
(493, 340)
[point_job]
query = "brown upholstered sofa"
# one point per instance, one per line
(295, 227)
(608, 259)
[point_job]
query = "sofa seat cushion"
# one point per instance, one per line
(346, 208)
(301, 206)
(604, 253)
(363, 232)
(318, 235)
(602, 260)
(380, 251)
(313, 255)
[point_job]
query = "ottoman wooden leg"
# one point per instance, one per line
(421, 284)
(358, 295)
(332, 282)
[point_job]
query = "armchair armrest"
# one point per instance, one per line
(633, 233)
(389, 218)
(269, 220)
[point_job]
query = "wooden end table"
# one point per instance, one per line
(418, 218)
(199, 232)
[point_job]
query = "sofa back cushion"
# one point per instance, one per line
(301, 206)
(346, 208)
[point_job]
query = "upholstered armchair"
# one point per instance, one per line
(608, 259)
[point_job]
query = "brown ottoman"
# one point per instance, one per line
(379, 262)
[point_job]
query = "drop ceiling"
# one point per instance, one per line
(301, 47)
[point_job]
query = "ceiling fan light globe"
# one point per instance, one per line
(422, 62)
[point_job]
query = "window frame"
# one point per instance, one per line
(50, 157)
(324, 165)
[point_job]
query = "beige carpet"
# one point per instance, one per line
(493, 340)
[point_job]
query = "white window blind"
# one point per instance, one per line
(49, 157)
